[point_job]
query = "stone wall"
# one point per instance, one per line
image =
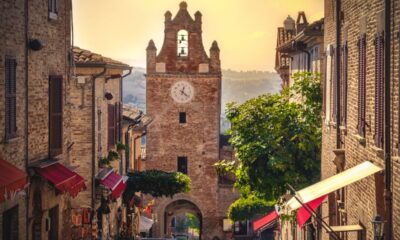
(363, 199)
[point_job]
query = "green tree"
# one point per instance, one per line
(277, 139)
(156, 183)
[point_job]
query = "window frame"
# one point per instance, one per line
(10, 97)
(53, 9)
(182, 160)
(182, 117)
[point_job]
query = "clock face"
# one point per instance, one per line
(182, 92)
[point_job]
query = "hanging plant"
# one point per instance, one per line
(112, 155)
(223, 167)
(121, 146)
(104, 161)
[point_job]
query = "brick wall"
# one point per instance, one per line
(361, 201)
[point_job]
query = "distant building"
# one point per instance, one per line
(299, 47)
(96, 130)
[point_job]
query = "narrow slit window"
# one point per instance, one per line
(182, 165)
(182, 117)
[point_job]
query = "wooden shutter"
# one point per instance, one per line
(344, 86)
(10, 98)
(55, 115)
(118, 125)
(361, 84)
(334, 87)
(379, 91)
(111, 126)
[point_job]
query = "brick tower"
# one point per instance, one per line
(184, 100)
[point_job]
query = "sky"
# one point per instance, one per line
(244, 29)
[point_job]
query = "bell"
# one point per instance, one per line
(183, 38)
(182, 51)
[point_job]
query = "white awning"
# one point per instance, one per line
(333, 183)
(347, 228)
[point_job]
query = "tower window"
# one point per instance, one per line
(183, 43)
(182, 117)
(182, 165)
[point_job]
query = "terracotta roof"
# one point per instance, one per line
(86, 58)
(133, 114)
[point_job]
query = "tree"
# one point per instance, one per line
(156, 183)
(277, 138)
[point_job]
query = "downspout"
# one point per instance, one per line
(26, 114)
(387, 142)
(94, 77)
(337, 73)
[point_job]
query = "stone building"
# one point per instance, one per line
(96, 132)
(134, 128)
(299, 47)
(183, 98)
(360, 117)
(34, 84)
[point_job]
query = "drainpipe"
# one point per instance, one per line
(94, 77)
(387, 142)
(337, 73)
(26, 113)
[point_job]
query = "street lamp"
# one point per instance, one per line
(378, 224)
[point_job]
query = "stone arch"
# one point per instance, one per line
(167, 203)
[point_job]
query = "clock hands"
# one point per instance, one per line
(183, 91)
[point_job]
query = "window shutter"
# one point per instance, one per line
(344, 85)
(117, 110)
(334, 87)
(55, 115)
(10, 98)
(361, 84)
(379, 97)
(111, 126)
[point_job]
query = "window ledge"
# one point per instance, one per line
(343, 130)
(378, 151)
(53, 16)
(360, 139)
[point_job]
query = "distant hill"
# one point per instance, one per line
(237, 86)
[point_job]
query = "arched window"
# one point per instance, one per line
(183, 43)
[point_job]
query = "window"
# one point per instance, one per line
(53, 9)
(10, 224)
(111, 126)
(182, 117)
(55, 115)
(362, 67)
(379, 90)
(183, 39)
(343, 87)
(10, 98)
(182, 165)
(53, 217)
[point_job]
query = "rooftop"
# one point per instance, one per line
(86, 58)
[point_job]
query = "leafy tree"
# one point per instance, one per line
(246, 208)
(156, 183)
(277, 138)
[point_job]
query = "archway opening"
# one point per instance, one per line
(183, 220)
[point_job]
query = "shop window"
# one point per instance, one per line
(10, 224)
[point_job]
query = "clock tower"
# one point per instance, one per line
(183, 97)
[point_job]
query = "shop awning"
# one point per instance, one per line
(333, 183)
(62, 178)
(347, 228)
(265, 221)
(303, 215)
(12, 179)
(114, 182)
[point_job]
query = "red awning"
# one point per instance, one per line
(63, 179)
(12, 179)
(265, 221)
(303, 215)
(115, 183)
